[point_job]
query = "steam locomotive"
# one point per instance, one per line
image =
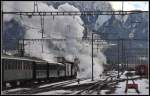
(22, 70)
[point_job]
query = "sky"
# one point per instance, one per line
(130, 5)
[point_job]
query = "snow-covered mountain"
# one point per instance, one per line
(98, 23)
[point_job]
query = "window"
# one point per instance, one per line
(7, 63)
(15, 67)
(28, 65)
(18, 65)
(9, 66)
(4, 64)
(25, 65)
(22, 65)
(13, 64)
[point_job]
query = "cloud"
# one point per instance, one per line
(130, 5)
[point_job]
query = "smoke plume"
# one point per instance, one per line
(69, 28)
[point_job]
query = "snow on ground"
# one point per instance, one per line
(13, 90)
(143, 86)
(76, 83)
(46, 85)
(56, 92)
(88, 81)
(134, 76)
(81, 82)
(103, 92)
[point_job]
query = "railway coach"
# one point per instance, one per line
(20, 70)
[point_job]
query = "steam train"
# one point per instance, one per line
(22, 70)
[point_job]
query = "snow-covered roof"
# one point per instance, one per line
(31, 59)
(56, 63)
(23, 58)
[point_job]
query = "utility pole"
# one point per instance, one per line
(122, 50)
(118, 58)
(92, 58)
(35, 6)
(2, 25)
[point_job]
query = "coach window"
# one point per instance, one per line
(7, 62)
(9, 66)
(18, 63)
(23, 62)
(25, 65)
(28, 66)
(4, 64)
(28, 63)
(13, 64)
(16, 67)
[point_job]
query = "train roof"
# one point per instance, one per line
(56, 63)
(23, 58)
(30, 59)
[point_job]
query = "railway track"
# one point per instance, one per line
(97, 85)
(100, 85)
(89, 88)
(47, 88)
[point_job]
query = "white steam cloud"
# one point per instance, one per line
(64, 27)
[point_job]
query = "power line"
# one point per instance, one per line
(72, 13)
